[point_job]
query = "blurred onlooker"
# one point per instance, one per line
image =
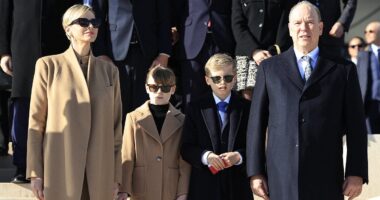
(355, 45)
(261, 31)
(369, 76)
(28, 30)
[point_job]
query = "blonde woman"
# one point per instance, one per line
(75, 119)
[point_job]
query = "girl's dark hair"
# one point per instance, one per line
(161, 75)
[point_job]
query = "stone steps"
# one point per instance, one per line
(11, 191)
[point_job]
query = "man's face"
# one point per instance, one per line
(305, 28)
(354, 46)
(372, 33)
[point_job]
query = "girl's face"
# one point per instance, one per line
(159, 94)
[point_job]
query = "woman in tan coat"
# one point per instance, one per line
(75, 119)
(152, 166)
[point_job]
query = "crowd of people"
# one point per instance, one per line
(188, 99)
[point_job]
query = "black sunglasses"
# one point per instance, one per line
(357, 45)
(369, 31)
(164, 88)
(84, 22)
(218, 79)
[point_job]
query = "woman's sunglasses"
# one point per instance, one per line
(357, 45)
(164, 88)
(218, 79)
(84, 22)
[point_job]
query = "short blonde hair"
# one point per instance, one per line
(219, 61)
(161, 75)
(73, 13)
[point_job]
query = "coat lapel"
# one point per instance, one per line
(171, 123)
(72, 59)
(290, 68)
(234, 120)
(322, 67)
(146, 121)
(211, 121)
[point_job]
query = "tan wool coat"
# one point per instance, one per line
(75, 127)
(152, 166)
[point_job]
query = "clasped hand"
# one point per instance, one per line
(224, 160)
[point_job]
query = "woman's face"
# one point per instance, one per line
(158, 94)
(84, 29)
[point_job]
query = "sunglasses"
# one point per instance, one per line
(84, 22)
(369, 31)
(357, 45)
(164, 88)
(218, 79)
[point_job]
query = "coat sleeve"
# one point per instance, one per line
(191, 149)
(128, 155)
(348, 13)
(257, 125)
(117, 126)
(37, 121)
(357, 158)
(184, 177)
(164, 26)
(5, 27)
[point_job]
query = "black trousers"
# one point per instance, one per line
(373, 116)
(132, 72)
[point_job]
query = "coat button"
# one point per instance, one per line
(158, 158)
(261, 10)
(245, 5)
(297, 145)
(303, 120)
(261, 25)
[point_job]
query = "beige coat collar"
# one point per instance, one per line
(171, 124)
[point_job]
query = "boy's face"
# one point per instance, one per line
(156, 94)
(221, 81)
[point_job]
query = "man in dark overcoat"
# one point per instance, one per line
(307, 102)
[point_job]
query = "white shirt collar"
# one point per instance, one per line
(217, 99)
(312, 54)
(375, 49)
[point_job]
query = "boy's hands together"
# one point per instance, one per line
(230, 158)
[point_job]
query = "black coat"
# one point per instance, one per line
(28, 30)
(306, 123)
(201, 133)
(260, 24)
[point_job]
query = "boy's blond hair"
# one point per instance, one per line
(219, 61)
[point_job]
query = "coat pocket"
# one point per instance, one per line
(138, 181)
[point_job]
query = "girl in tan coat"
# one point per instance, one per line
(75, 119)
(152, 166)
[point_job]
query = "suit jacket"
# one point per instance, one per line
(365, 60)
(29, 30)
(74, 123)
(192, 26)
(306, 121)
(152, 165)
(150, 18)
(260, 25)
(331, 12)
(201, 133)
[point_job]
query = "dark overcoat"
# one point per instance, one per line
(306, 123)
(28, 30)
(201, 133)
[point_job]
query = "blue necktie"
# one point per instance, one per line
(87, 3)
(222, 110)
(306, 65)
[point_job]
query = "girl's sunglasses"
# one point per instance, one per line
(218, 79)
(84, 22)
(154, 88)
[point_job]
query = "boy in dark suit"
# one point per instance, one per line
(214, 137)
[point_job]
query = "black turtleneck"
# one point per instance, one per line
(159, 114)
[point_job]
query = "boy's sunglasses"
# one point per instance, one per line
(154, 88)
(357, 45)
(218, 79)
(84, 22)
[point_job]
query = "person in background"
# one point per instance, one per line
(28, 30)
(260, 31)
(304, 103)
(153, 168)
(369, 76)
(214, 137)
(75, 132)
(355, 45)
